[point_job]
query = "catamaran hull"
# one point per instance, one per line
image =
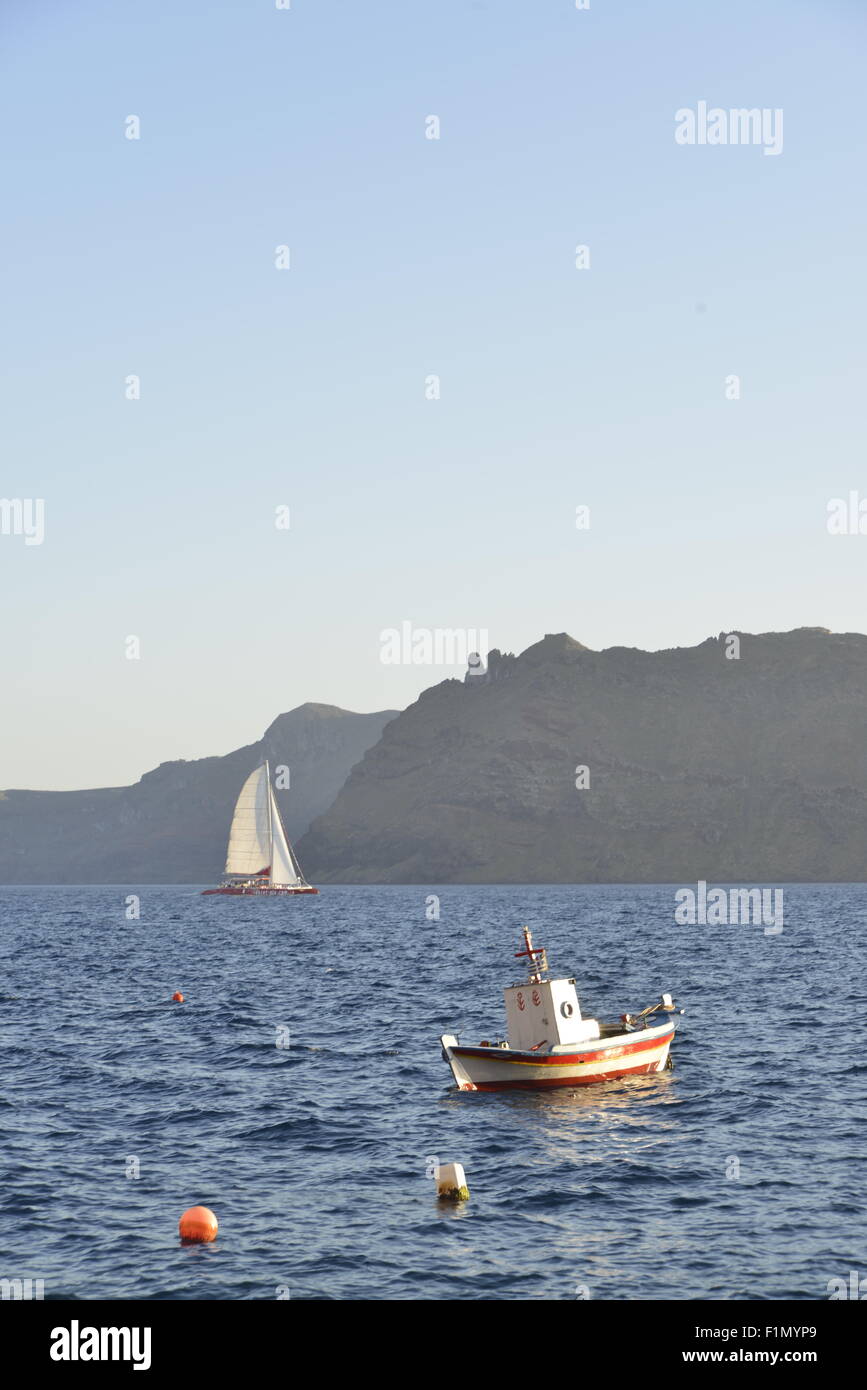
(503, 1069)
(259, 892)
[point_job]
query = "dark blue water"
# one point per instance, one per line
(314, 1156)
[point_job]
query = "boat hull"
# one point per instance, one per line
(259, 892)
(605, 1059)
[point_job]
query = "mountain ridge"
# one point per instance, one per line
(699, 765)
(742, 758)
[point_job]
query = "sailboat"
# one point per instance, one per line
(260, 859)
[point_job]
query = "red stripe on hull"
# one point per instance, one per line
(507, 1057)
(546, 1083)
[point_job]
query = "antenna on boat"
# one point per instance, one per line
(536, 967)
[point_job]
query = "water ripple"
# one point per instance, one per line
(300, 1093)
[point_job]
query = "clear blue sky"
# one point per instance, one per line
(411, 256)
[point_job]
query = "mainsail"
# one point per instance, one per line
(257, 840)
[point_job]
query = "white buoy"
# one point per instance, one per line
(452, 1183)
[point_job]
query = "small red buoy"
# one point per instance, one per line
(198, 1224)
(177, 997)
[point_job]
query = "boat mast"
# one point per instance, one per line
(531, 952)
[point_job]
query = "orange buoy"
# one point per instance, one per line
(177, 997)
(198, 1224)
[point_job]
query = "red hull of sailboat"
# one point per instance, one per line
(259, 892)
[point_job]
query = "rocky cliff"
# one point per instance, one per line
(173, 825)
(743, 760)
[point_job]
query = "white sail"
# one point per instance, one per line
(284, 865)
(250, 836)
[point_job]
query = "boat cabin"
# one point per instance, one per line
(546, 1014)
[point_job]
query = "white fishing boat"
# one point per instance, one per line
(260, 859)
(550, 1044)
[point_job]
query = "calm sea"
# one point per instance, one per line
(300, 1093)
